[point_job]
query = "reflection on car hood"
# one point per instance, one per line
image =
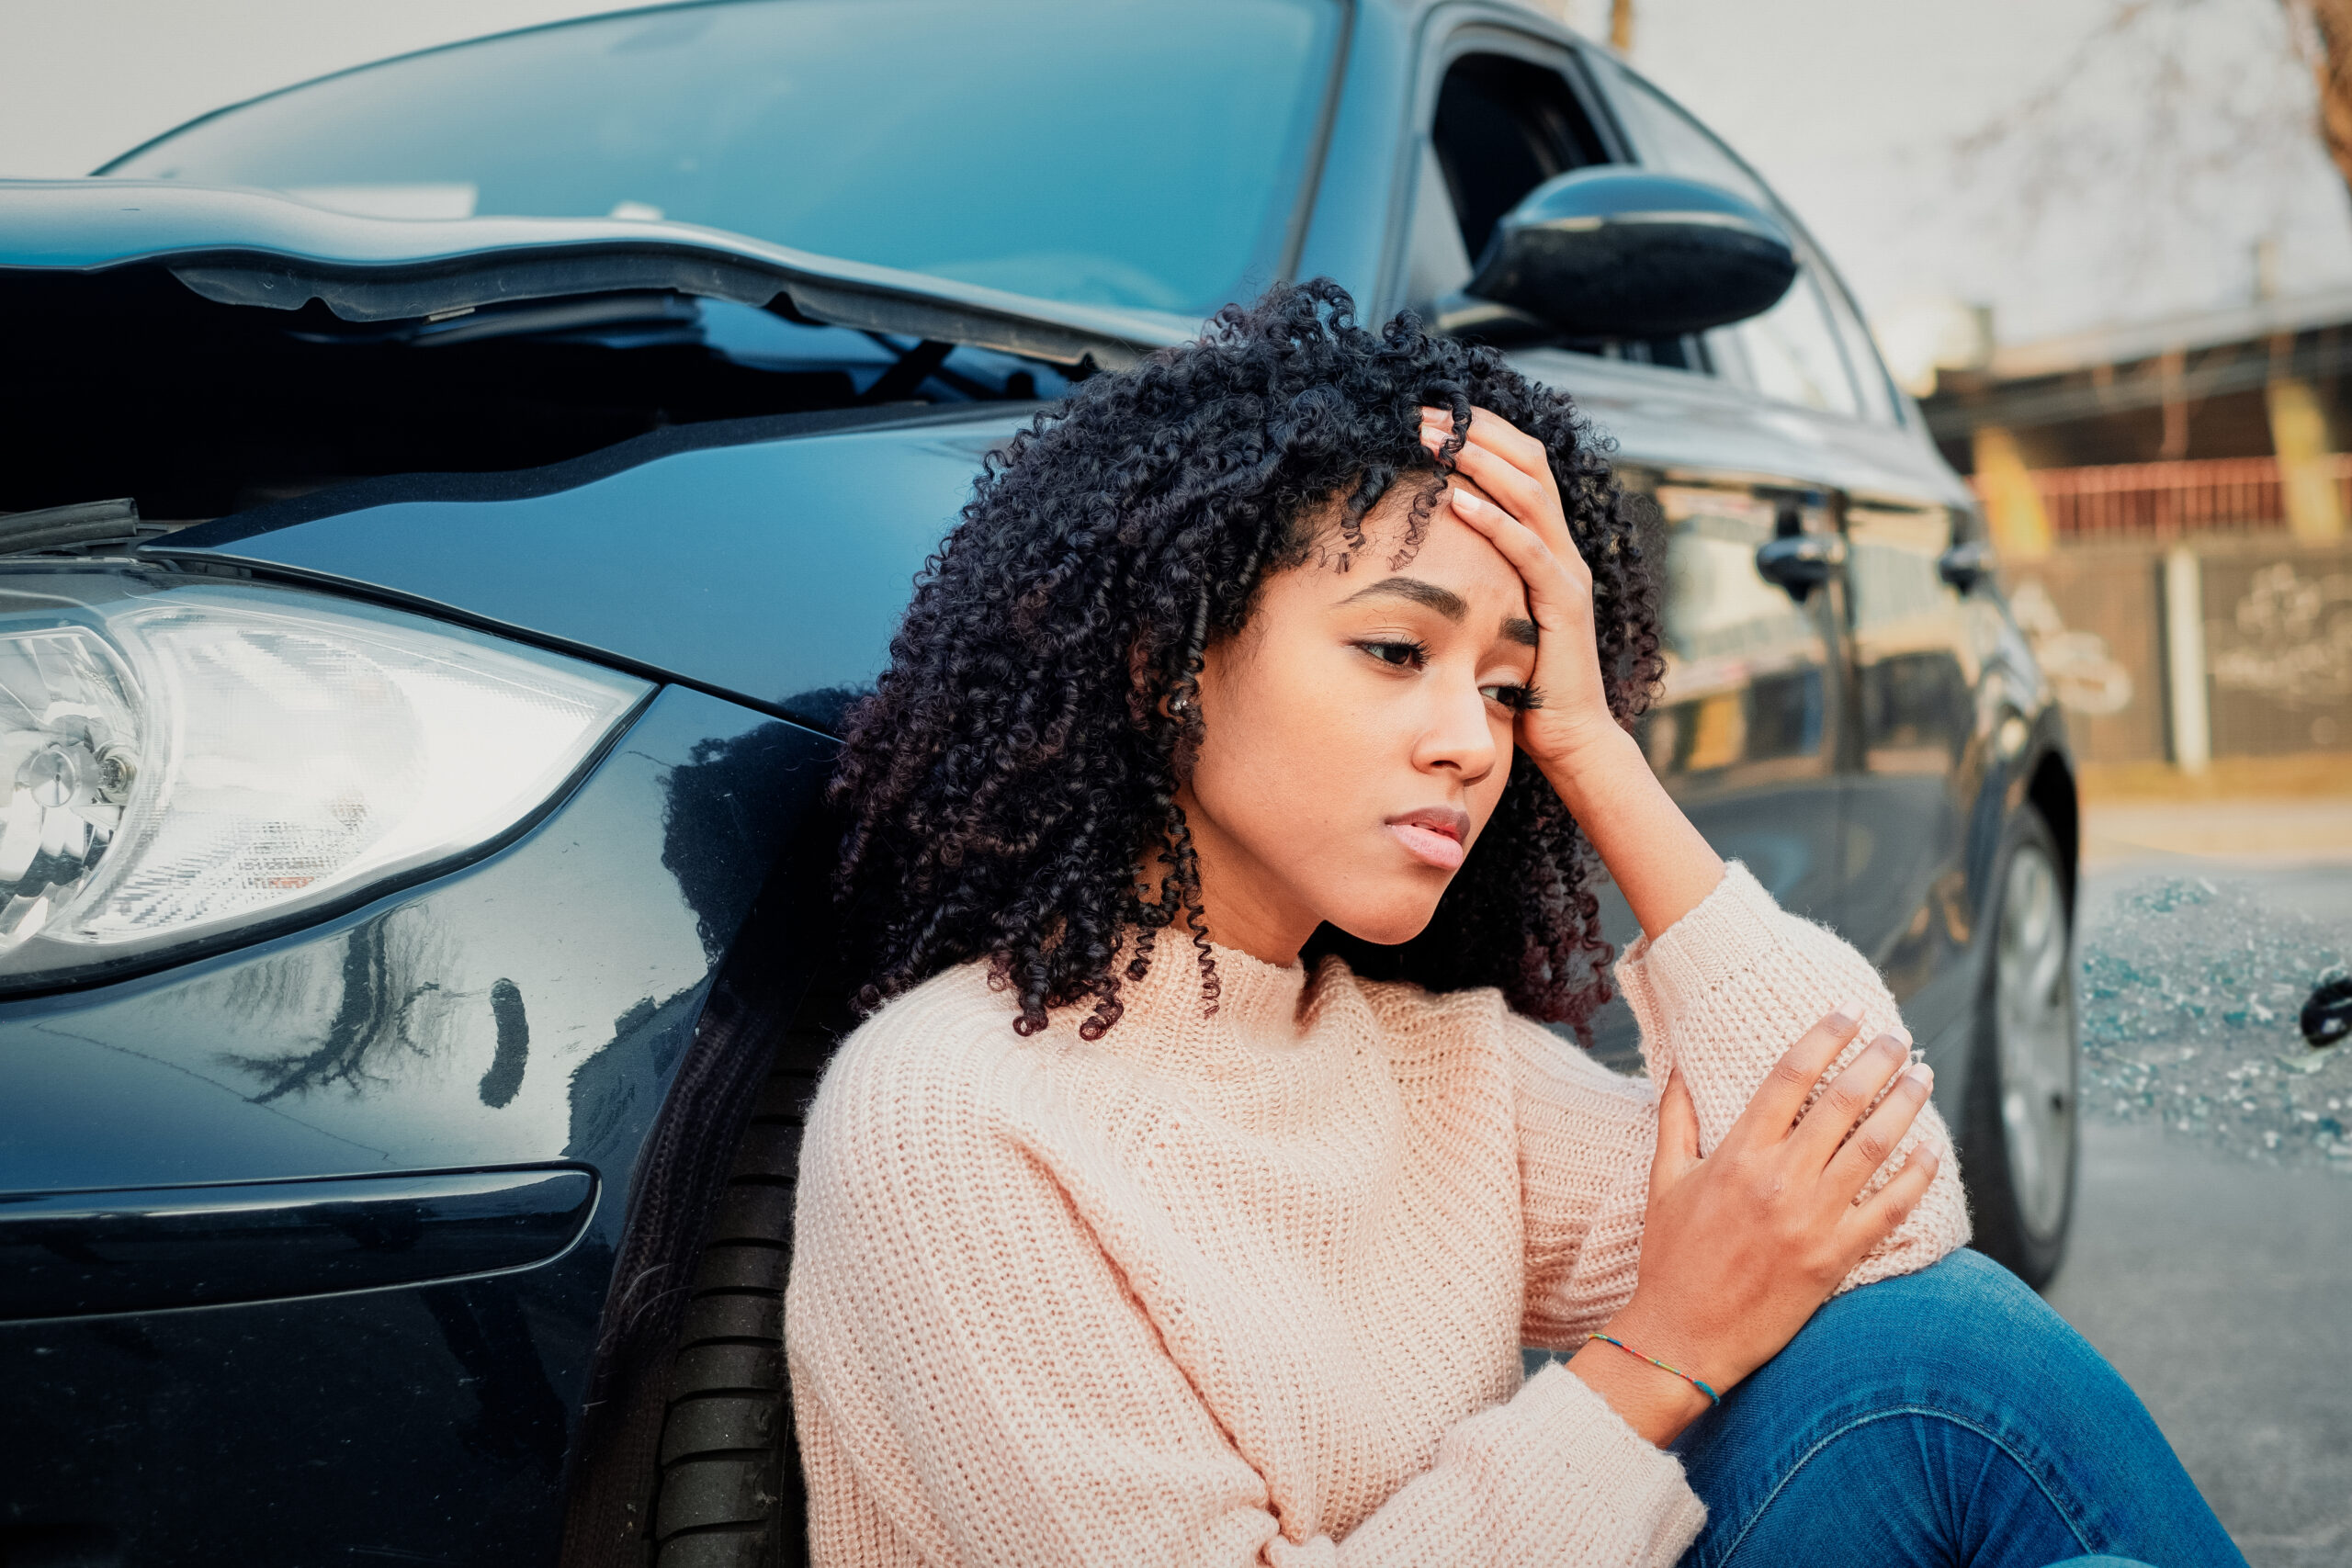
(256, 247)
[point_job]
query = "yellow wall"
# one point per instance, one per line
(2013, 510)
(2299, 434)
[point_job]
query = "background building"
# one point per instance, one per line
(2170, 499)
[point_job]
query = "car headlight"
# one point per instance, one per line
(182, 760)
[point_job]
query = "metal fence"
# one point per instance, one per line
(2123, 500)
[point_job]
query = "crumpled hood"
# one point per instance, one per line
(257, 247)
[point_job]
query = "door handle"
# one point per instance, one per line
(1800, 562)
(1965, 564)
(77, 1254)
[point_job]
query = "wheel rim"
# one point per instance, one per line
(2036, 1019)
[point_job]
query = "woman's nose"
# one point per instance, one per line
(1457, 736)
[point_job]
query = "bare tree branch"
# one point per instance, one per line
(2154, 118)
(2321, 32)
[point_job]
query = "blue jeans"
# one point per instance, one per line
(1947, 1417)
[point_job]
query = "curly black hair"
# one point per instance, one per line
(1020, 759)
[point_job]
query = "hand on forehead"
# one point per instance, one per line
(1451, 552)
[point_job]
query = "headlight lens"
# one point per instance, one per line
(183, 760)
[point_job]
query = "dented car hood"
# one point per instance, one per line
(244, 246)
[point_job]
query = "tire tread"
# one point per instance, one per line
(726, 1451)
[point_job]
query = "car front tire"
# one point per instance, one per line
(2018, 1148)
(730, 1491)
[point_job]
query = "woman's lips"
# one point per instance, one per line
(1434, 838)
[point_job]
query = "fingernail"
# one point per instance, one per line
(1922, 1075)
(1886, 1043)
(1845, 1016)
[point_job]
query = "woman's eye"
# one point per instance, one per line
(1402, 654)
(1514, 697)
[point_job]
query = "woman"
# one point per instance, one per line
(1223, 828)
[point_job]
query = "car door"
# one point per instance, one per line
(1903, 771)
(1904, 807)
(1779, 808)
(1749, 730)
(1752, 727)
(1780, 428)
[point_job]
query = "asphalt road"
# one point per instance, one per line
(2212, 1256)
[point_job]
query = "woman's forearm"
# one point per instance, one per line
(1653, 854)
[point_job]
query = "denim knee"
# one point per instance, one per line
(1963, 1336)
(1964, 1347)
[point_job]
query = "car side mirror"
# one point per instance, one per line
(1626, 253)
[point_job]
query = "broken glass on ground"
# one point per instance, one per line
(2192, 992)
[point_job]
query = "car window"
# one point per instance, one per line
(1871, 383)
(1501, 127)
(1107, 152)
(1791, 351)
(1437, 262)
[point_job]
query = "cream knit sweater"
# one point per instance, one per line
(1251, 1289)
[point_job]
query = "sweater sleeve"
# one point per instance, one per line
(974, 1382)
(1721, 995)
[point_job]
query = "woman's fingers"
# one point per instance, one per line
(1774, 1107)
(1574, 703)
(1532, 497)
(1553, 591)
(1678, 1133)
(1492, 431)
(1534, 500)
(1867, 1224)
(1858, 1157)
(1833, 1116)
(1509, 464)
(1491, 437)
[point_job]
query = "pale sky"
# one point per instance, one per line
(1850, 107)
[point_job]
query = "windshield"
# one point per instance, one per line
(1122, 153)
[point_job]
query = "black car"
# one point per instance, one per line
(448, 505)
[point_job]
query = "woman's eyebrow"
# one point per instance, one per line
(1429, 595)
(1445, 602)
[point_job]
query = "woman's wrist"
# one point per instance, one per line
(1656, 858)
(1596, 763)
(1655, 1403)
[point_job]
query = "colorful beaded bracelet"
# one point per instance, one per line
(1699, 1383)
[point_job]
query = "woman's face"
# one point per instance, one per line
(1358, 736)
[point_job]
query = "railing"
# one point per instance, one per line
(2236, 495)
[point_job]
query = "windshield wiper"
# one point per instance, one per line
(914, 366)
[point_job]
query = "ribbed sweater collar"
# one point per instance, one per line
(1257, 1005)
